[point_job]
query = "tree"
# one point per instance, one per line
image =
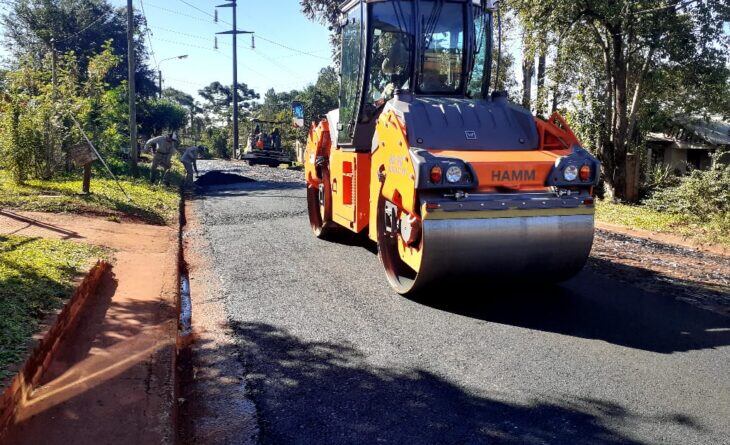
(218, 108)
(624, 55)
(36, 125)
(158, 115)
(188, 102)
(219, 100)
(34, 27)
(325, 12)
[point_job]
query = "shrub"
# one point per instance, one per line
(703, 196)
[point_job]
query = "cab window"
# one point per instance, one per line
(442, 40)
(391, 49)
(350, 74)
(479, 74)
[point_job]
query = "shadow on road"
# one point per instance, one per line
(321, 392)
(595, 307)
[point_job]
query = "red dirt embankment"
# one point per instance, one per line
(111, 379)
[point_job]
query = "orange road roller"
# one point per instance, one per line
(448, 178)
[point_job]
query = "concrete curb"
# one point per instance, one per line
(665, 238)
(46, 346)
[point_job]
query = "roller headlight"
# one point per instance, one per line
(454, 174)
(570, 173)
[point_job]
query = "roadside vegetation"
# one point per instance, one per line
(36, 277)
(697, 207)
(155, 204)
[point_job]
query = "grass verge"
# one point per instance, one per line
(36, 277)
(155, 204)
(642, 217)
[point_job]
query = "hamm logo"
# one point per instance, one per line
(513, 175)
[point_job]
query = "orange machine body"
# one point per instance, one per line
(354, 176)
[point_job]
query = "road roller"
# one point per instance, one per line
(449, 178)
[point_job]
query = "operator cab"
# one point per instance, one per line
(382, 58)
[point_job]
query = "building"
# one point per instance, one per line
(689, 144)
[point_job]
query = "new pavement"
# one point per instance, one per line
(333, 356)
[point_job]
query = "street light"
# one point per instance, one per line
(159, 72)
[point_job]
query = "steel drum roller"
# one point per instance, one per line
(551, 248)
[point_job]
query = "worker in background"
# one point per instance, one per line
(189, 160)
(276, 139)
(163, 147)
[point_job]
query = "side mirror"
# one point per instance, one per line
(297, 111)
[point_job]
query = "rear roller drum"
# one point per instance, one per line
(319, 205)
(400, 275)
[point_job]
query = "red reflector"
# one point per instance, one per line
(436, 174)
(432, 205)
(585, 173)
(588, 201)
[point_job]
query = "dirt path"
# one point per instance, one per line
(699, 278)
(111, 382)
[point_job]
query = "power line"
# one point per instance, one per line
(149, 36)
(200, 37)
(305, 53)
(102, 16)
(171, 11)
(259, 36)
(189, 45)
(193, 36)
(205, 12)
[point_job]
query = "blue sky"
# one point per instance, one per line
(178, 28)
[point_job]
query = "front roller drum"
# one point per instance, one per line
(500, 251)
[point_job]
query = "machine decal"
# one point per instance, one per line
(513, 175)
(396, 165)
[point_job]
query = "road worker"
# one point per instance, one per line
(189, 160)
(163, 147)
(276, 139)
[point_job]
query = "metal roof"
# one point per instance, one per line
(714, 131)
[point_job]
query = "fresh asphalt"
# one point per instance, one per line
(333, 356)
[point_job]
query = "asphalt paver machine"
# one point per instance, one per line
(264, 144)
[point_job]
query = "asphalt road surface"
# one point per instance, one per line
(332, 355)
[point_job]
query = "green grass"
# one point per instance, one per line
(642, 217)
(36, 277)
(154, 204)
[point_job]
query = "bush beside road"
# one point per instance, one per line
(645, 218)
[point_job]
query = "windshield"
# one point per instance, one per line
(441, 64)
(391, 49)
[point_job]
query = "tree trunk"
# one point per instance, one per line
(528, 71)
(86, 187)
(637, 94)
(618, 176)
(541, 93)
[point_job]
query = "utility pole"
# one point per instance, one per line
(132, 90)
(234, 32)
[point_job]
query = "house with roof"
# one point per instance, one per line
(688, 144)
